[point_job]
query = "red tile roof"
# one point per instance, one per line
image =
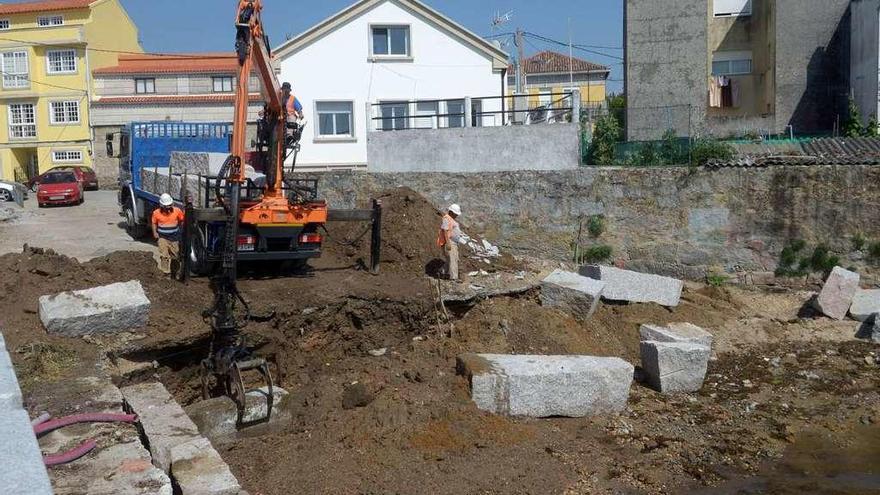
(43, 6)
(552, 62)
(170, 99)
(178, 63)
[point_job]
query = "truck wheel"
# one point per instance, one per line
(132, 228)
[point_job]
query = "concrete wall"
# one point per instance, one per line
(865, 55)
(677, 221)
(476, 149)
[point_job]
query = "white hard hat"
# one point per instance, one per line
(455, 209)
(165, 200)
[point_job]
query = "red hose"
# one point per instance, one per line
(54, 424)
(70, 455)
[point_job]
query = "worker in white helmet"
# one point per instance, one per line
(449, 238)
(167, 226)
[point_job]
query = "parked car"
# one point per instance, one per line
(60, 188)
(7, 191)
(86, 175)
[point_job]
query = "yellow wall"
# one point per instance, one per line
(591, 94)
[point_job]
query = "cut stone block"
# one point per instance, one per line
(199, 470)
(109, 309)
(123, 468)
(21, 462)
(197, 163)
(673, 367)
(837, 294)
(217, 418)
(163, 421)
(542, 386)
(625, 285)
(676, 332)
(10, 392)
(875, 330)
(572, 293)
(866, 303)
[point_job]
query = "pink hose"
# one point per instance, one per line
(54, 424)
(70, 455)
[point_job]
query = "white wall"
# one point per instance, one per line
(337, 67)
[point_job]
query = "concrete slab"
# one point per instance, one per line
(837, 294)
(629, 286)
(10, 392)
(572, 293)
(676, 332)
(217, 418)
(542, 386)
(121, 469)
(21, 462)
(198, 469)
(866, 303)
(111, 308)
(673, 367)
(875, 330)
(163, 421)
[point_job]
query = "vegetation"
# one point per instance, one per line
(42, 362)
(605, 136)
(858, 242)
(716, 280)
(596, 227)
(704, 149)
(853, 126)
(794, 261)
(594, 254)
(874, 251)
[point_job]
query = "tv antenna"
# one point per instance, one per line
(498, 22)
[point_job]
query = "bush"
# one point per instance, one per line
(596, 227)
(671, 152)
(596, 254)
(605, 136)
(648, 155)
(716, 280)
(874, 251)
(853, 126)
(858, 242)
(703, 150)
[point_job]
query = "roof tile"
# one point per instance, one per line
(43, 6)
(170, 99)
(178, 63)
(548, 62)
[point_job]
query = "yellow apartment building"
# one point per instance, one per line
(48, 50)
(549, 74)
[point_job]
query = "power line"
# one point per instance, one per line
(28, 78)
(103, 50)
(576, 47)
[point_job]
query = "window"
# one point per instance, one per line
(61, 61)
(22, 121)
(142, 86)
(731, 63)
(732, 8)
(545, 97)
(455, 111)
(64, 112)
(67, 156)
(15, 70)
(427, 112)
(50, 20)
(395, 116)
(334, 118)
(391, 41)
(223, 84)
(4, 24)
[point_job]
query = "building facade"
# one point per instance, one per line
(551, 73)
(49, 49)
(731, 68)
(386, 64)
(189, 87)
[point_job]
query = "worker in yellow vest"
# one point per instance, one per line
(449, 238)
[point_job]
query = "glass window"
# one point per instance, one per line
(455, 109)
(427, 112)
(392, 40)
(61, 61)
(143, 86)
(223, 84)
(22, 121)
(335, 118)
(64, 112)
(4, 24)
(58, 178)
(395, 116)
(727, 8)
(67, 156)
(731, 67)
(52, 20)
(15, 70)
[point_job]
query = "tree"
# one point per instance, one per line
(605, 136)
(853, 126)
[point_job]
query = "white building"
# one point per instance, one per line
(388, 52)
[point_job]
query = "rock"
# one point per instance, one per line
(196, 163)
(356, 395)
(109, 309)
(21, 462)
(676, 332)
(10, 392)
(164, 422)
(573, 293)
(123, 468)
(217, 418)
(837, 294)
(673, 367)
(199, 470)
(875, 330)
(625, 285)
(378, 352)
(542, 386)
(865, 304)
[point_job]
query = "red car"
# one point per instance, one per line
(84, 174)
(59, 188)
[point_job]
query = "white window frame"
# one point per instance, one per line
(145, 81)
(14, 79)
(5, 24)
(389, 123)
(50, 20)
(729, 58)
(66, 105)
(334, 137)
(51, 71)
(67, 156)
(426, 115)
(452, 121)
(23, 123)
(222, 80)
(718, 5)
(389, 55)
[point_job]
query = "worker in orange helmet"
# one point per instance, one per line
(449, 238)
(167, 225)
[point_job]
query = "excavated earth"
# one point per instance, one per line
(791, 403)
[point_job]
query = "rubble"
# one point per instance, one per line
(865, 304)
(542, 386)
(216, 418)
(21, 462)
(672, 367)
(199, 470)
(625, 285)
(571, 292)
(676, 332)
(837, 294)
(101, 310)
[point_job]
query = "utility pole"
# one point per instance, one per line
(520, 68)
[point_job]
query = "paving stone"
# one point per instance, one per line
(199, 470)
(672, 367)
(112, 308)
(217, 418)
(676, 332)
(542, 386)
(21, 462)
(10, 392)
(573, 293)
(866, 303)
(625, 285)
(164, 422)
(837, 294)
(121, 469)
